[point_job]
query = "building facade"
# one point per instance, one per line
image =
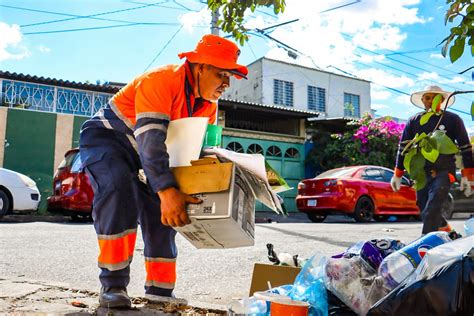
(303, 88)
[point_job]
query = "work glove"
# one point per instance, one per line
(465, 186)
(395, 182)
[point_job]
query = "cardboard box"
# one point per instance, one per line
(226, 218)
(276, 275)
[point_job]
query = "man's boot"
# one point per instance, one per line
(114, 297)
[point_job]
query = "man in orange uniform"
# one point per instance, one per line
(128, 135)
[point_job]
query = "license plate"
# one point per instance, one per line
(312, 202)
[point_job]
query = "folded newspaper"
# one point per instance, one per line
(255, 172)
(184, 142)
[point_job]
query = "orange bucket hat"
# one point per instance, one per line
(218, 52)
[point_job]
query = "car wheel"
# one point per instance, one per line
(4, 203)
(448, 208)
(364, 210)
(316, 218)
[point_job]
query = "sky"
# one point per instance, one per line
(394, 44)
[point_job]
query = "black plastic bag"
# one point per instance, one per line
(449, 292)
(337, 308)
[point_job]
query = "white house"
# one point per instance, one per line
(304, 88)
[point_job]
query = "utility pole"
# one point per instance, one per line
(214, 27)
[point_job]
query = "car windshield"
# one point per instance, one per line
(77, 164)
(67, 161)
(337, 173)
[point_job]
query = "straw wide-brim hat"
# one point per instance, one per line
(416, 97)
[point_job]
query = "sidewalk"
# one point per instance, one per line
(30, 297)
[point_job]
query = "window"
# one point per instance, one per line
(316, 99)
(234, 146)
(388, 174)
(292, 153)
(283, 92)
(351, 105)
(77, 165)
(273, 151)
(372, 175)
(255, 149)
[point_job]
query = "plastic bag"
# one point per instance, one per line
(443, 284)
(309, 286)
(372, 251)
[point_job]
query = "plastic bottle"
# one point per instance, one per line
(469, 227)
(250, 306)
(400, 264)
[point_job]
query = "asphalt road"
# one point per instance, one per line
(66, 253)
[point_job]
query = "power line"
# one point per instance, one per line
(395, 90)
(76, 17)
(58, 13)
(183, 8)
(423, 50)
(164, 47)
(401, 62)
(96, 28)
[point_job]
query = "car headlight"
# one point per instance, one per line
(27, 181)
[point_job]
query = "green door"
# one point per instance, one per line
(286, 158)
(29, 147)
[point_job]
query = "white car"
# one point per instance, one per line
(17, 192)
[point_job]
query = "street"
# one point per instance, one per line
(66, 253)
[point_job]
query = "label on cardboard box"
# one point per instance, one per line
(226, 218)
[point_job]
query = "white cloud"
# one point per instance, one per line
(428, 76)
(334, 38)
(378, 94)
(11, 46)
(193, 19)
(436, 56)
(382, 77)
(377, 106)
(44, 49)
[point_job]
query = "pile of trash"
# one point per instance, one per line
(432, 275)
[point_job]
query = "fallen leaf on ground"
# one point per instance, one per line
(78, 304)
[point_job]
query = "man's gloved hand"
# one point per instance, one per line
(465, 186)
(173, 207)
(395, 182)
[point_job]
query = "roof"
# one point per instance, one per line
(332, 124)
(305, 67)
(237, 104)
(106, 88)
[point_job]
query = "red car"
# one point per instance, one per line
(363, 192)
(72, 192)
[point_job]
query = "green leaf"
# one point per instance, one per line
(431, 154)
(472, 110)
(417, 165)
(457, 49)
(419, 137)
(444, 144)
(407, 159)
(425, 118)
(420, 181)
(436, 104)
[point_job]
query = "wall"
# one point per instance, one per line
(335, 86)
(34, 143)
(249, 90)
(259, 87)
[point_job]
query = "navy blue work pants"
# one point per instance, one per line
(121, 202)
(431, 199)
